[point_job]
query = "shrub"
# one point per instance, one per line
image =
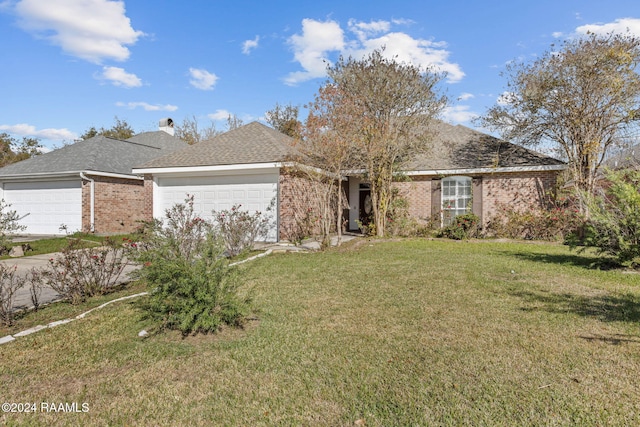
(239, 229)
(80, 271)
(463, 227)
(10, 283)
(555, 222)
(193, 288)
(614, 223)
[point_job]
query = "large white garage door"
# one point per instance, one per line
(47, 205)
(254, 192)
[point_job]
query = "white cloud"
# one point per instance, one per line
(311, 47)
(119, 77)
(465, 95)
(557, 34)
(146, 106)
(219, 115)
(319, 39)
(94, 30)
(202, 79)
(364, 30)
(623, 25)
(249, 45)
(24, 129)
(458, 114)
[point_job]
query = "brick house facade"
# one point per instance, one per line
(119, 205)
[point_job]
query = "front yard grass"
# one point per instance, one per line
(411, 332)
(57, 244)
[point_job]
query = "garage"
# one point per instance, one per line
(254, 192)
(46, 205)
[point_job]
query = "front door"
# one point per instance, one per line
(366, 207)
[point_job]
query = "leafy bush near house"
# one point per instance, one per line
(193, 288)
(614, 223)
(555, 222)
(82, 271)
(239, 229)
(463, 227)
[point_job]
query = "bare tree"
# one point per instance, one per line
(233, 122)
(191, 132)
(382, 109)
(583, 99)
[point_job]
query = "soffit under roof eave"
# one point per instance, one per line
(470, 171)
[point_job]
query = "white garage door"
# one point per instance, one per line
(47, 205)
(254, 192)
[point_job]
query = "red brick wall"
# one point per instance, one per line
(521, 190)
(417, 192)
(147, 210)
(119, 204)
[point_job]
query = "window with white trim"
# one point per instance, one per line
(456, 197)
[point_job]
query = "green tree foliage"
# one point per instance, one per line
(13, 150)
(582, 98)
(120, 130)
(285, 119)
(382, 109)
(191, 132)
(614, 224)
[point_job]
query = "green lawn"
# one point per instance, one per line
(399, 333)
(57, 244)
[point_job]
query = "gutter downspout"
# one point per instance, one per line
(92, 202)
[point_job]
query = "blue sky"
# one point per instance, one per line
(67, 65)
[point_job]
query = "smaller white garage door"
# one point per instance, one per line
(254, 192)
(47, 205)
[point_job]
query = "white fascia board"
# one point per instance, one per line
(200, 169)
(64, 175)
(113, 175)
(42, 176)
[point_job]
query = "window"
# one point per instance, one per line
(456, 197)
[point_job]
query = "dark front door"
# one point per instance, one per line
(366, 207)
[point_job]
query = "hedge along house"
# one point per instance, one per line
(85, 186)
(248, 166)
(466, 171)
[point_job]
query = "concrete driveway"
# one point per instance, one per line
(26, 263)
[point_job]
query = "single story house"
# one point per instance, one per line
(248, 166)
(85, 186)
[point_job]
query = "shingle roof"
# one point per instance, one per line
(459, 147)
(99, 154)
(452, 147)
(251, 143)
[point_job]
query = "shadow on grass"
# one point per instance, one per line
(606, 308)
(577, 260)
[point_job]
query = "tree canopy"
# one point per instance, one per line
(191, 132)
(120, 130)
(376, 113)
(285, 119)
(13, 150)
(583, 99)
